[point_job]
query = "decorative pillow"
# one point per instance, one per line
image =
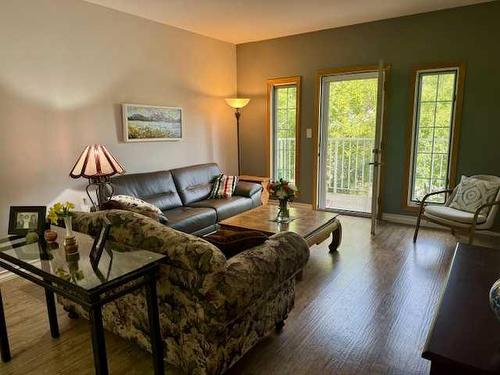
(129, 203)
(223, 187)
(232, 243)
(472, 193)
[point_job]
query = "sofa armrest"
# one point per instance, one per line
(247, 189)
(135, 231)
(253, 274)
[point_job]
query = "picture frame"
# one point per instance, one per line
(99, 243)
(148, 123)
(24, 219)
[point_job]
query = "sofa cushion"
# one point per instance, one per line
(232, 242)
(190, 219)
(226, 207)
(452, 214)
(195, 183)
(157, 188)
(129, 203)
(223, 187)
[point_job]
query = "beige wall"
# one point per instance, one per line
(65, 67)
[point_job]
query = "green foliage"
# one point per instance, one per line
(352, 108)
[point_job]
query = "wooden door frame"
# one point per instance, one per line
(317, 118)
(271, 84)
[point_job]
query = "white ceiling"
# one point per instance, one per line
(240, 21)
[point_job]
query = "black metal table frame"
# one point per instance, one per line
(92, 301)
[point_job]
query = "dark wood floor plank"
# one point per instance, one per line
(364, 310)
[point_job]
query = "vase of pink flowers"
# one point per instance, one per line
(284, 192)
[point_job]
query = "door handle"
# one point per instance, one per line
(375, 163)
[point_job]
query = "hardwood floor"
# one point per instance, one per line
(365, 310)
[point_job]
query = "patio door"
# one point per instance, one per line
(349, 141)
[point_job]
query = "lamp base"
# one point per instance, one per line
(103, 191)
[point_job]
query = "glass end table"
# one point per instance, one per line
(72, 276)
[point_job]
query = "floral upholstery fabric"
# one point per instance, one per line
(212, 310)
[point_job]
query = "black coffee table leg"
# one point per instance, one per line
(154, 326)
(98, 343)
(336, 238)
(51, 310)
(4, 338)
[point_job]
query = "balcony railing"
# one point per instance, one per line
(285, 159)
(348, 170)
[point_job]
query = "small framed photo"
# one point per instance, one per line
(99, 243)
(146, 123)
(24, 219)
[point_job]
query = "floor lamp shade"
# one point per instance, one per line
(96, 162)
(237, 103)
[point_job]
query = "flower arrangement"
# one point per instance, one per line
(285, 192)
(59, 211)
(282, 190)
(63, 211)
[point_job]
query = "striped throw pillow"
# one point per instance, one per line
(223, 187)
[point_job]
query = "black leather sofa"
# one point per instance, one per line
(182, 195)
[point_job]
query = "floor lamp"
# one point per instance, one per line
(237, 104)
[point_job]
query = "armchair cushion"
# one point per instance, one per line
(452, 214)
(472, 193)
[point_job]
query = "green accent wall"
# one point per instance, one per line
(468, 34)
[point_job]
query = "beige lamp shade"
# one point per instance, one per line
(237, 103)
(96, 161)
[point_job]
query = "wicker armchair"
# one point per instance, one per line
(457, 219)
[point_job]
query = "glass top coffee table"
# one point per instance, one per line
(73, 277)
(313, 225)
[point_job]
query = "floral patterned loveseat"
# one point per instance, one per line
(212, 310)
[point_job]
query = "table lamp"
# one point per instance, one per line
(98, 165)
(237, 103)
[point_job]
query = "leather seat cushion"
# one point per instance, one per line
(157, 188)
(226, 208)
(452, 214)
(194, 183)
(190, 219)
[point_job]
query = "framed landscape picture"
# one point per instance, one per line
(145, 123)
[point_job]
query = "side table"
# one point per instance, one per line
(73, 277)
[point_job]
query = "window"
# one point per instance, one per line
(283, 101)
(436, 102)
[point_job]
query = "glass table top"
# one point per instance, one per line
(49, 258)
